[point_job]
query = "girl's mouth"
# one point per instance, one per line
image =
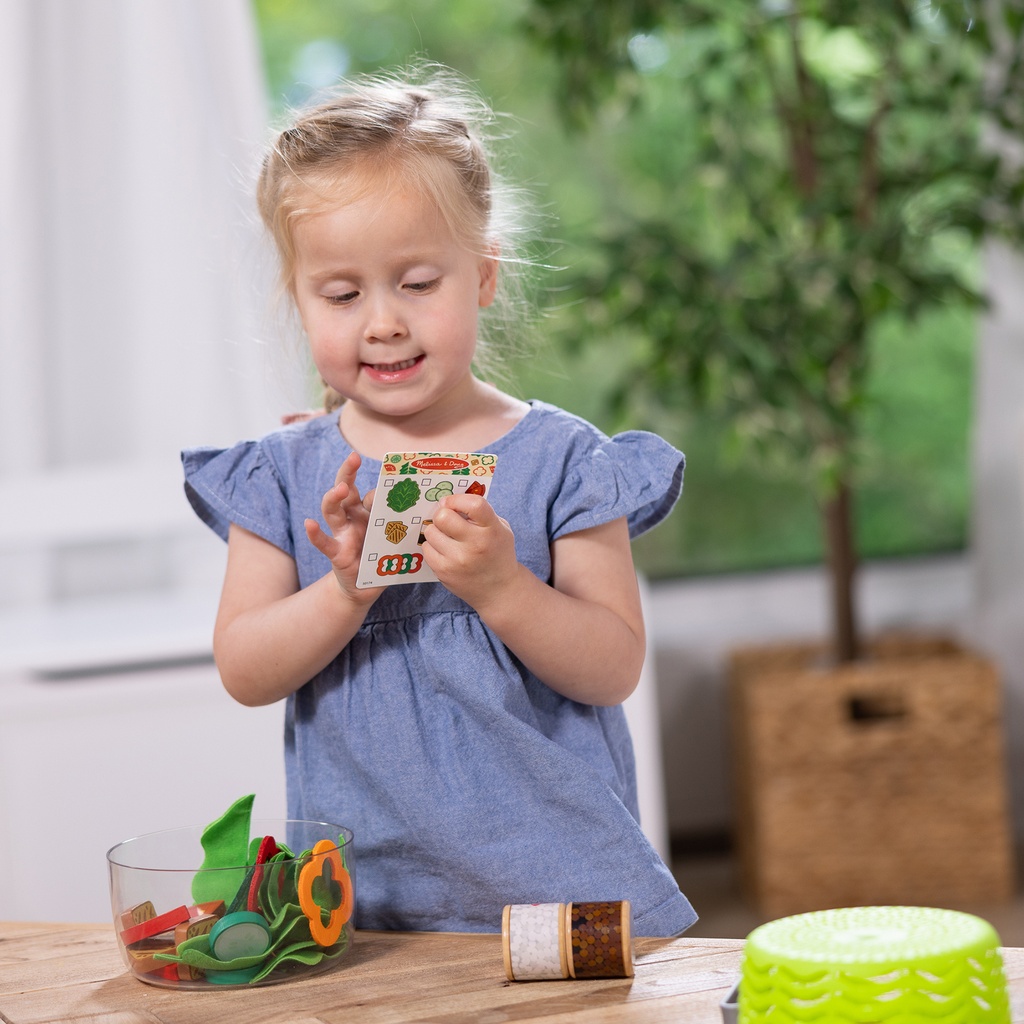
(392, 367)
(393, 371)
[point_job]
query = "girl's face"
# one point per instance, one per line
(389, 301)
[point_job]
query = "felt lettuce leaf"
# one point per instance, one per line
(226, 845)
(292, 944)
(309, 956)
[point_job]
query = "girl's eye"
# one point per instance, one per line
(422, 286)
(341, 300)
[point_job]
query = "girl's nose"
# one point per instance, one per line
(383, 322)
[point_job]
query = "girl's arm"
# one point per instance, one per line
(584, 634)
(271, 637)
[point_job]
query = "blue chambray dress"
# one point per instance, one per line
(468, 782)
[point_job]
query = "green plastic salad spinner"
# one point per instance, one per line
(867, 965)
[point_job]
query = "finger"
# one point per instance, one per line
(448, 523)
(321, 541)
(334, 503)
(470, 507)
(346, 478)
(348, 469)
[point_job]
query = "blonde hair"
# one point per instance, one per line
(387, 129)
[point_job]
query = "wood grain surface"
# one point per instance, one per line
(74, 973)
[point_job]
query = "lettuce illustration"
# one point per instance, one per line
(403, 495)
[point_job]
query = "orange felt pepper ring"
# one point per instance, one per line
(325, 856)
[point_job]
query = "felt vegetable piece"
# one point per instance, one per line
(267, 849)
(154, 926)
(240, 901)
(226, 844)
(475, 488)
(290, 929)
(197, 953)
(278, 885)
(326, 886)
(243, 934)
(307, 955)
(294, 944)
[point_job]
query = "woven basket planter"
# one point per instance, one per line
(878, 782)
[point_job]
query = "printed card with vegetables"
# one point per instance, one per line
(408, 491)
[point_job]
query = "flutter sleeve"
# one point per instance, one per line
(635, 474)
(239, 485)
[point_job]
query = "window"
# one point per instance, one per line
(736, 514)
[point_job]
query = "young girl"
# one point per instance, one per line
(469, 731)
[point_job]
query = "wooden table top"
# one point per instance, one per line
(74, 973)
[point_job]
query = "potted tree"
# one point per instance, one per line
(840, 163)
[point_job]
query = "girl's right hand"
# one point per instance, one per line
(347, 514)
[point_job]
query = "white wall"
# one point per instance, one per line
(87, 762)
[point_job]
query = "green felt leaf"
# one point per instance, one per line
(278, 886)
(292, 944)
(241, 898)
(254, 849)
(196, 953)
(308, 955)
(403, 495)
(290, 928)
(226, 845)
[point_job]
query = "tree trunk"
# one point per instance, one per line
(842, 564)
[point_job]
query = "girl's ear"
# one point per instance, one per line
(488, 277)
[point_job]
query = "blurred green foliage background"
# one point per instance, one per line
(737, 513)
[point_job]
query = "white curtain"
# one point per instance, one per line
(997, 542)
(133, 275)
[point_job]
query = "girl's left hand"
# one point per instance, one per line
(471, 548)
